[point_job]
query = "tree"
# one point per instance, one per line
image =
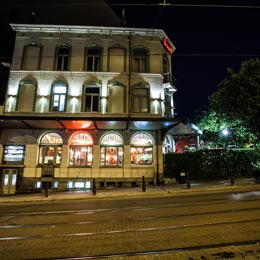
(238, 97)
(213, 125)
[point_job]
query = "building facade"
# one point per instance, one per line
(86, 103)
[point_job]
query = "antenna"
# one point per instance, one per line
(164, 3)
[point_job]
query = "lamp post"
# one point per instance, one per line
(226, 133)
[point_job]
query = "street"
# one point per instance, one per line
(193, 227)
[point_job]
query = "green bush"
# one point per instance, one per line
(212, 164)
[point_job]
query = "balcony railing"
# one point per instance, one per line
(48, 171)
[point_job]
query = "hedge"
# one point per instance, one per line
(206, 165)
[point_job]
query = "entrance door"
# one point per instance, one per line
(9, 181)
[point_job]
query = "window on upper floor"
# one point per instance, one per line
(63, 57)
(31, 57)
(59, 96)
(50, 149)
(91, 97)
(111, 147)
(93, 58)
(140, 99)
(26, 95)
(81, 149)
(117, 58)
(140, 60)
(116, 98)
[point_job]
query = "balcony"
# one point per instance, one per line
(169, 83)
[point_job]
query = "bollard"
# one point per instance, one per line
(232, 181)
(188, 180)
(94, 189)
(143, 185)
(46, 190)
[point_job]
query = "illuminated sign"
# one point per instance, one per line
(167, 45)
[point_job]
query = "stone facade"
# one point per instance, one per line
(86, 103)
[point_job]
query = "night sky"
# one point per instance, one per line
(207, 39)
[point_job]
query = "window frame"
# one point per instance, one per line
(139, 97)
(141, 55)
(91, 95)
(55, 147)
(115, 146)
(60, 96)
(60, 58)
(96, 63)
(85, 143)
(139, 147)
(25, 57)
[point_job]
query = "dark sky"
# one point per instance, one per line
(207, 39)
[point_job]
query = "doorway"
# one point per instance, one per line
(9, 181)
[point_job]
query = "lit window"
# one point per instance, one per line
(141, 149)
(38, 184)
(112, 150)
(81, 149)
(50, 149)
(59, 94)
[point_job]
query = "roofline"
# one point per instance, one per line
(101, 30)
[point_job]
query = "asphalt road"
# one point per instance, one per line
(191, 227)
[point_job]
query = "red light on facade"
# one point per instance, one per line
(167, 45)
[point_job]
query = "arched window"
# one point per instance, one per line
(91, 97)
(117, 96)
(50, 149)
(31, 57)
(63, 57)
(112, 151)
(59, 96)
(81, 149)
(140, 98)
(141, 149)
(26, 95)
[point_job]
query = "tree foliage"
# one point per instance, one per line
(234, 105)
(238, 96)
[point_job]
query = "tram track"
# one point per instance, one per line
(128, 219)
(157, 252)
(141, 230)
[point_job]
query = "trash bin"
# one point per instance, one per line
(182, 178)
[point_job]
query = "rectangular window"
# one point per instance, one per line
(93, 59)
(50, 155)
(140, 61)
(117, 59)
(31, 57)
(141, 155)
(63, 58)
(81, 155)
(112, 156)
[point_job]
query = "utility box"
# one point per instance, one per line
(182, 178)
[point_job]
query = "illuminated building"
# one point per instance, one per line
(84, 103)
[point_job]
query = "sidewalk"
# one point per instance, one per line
(241, 185)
